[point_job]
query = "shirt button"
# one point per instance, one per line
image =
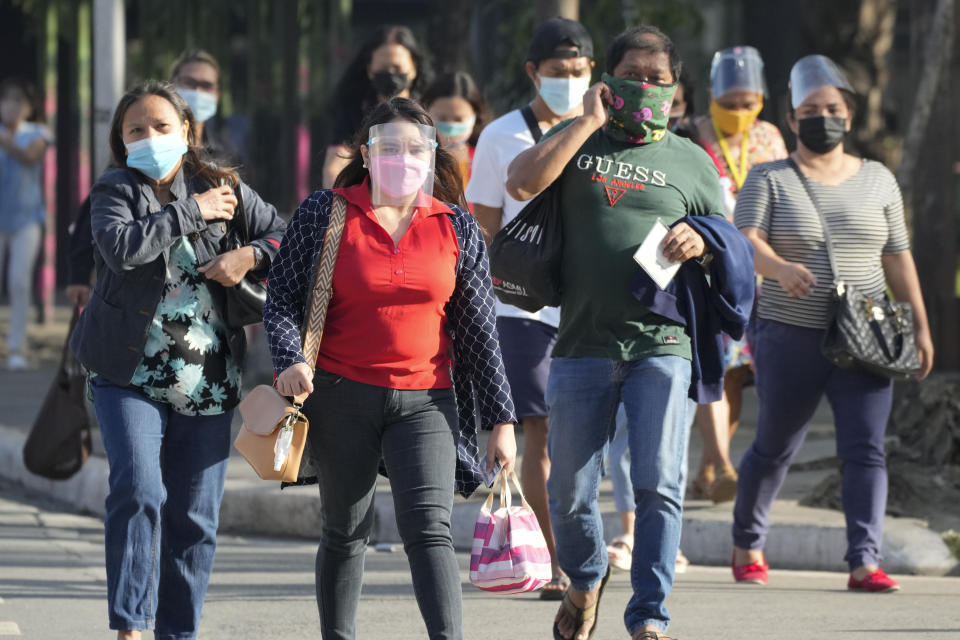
(398, 271)
(396, 250)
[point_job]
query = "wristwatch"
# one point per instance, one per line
(259, 257)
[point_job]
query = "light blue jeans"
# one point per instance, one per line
(583, 395)
(618, 465)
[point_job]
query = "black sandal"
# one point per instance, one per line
(555, 594)
(581, 615)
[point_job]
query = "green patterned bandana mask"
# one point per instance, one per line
(638, 111)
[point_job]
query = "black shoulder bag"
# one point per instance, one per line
(245, 300)
(525, 254)
(874, 335)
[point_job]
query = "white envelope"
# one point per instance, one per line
(650, 256)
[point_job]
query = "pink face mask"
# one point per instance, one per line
(398, 176)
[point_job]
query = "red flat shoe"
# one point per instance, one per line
(754, 573)
(876, 582)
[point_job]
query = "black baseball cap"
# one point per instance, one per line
(554, 39)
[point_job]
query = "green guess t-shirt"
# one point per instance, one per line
(611, 195)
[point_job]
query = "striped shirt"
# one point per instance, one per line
(865, 214)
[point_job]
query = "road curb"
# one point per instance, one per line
(800, 537)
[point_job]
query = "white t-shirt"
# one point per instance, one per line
(500, 142)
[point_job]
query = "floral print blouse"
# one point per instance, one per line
(186, 362)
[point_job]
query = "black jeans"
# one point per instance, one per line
(353, 426)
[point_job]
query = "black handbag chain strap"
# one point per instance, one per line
(532, 124)
(805, 181)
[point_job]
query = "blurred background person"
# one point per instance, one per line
(165, 367)
(23, 142)
(559, 64)
(390, 63)
(196, 76)
(737, 140)
(861, 202)
(459, 113)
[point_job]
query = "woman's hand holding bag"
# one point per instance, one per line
(274, 431)
(509, 552)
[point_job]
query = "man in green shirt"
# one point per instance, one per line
(619, 170)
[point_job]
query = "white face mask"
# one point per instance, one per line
(563, 95)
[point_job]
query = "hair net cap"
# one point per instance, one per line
(737, 69)
(812, 73)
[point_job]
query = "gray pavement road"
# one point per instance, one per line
(52, 587)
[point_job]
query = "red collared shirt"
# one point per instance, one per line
(386, 325)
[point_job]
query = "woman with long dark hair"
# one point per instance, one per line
(410, 321)
(390, 63)
(165, 366)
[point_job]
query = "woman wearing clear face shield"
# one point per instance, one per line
(860, 202)
(390, 63)
(411, 319)
(737, 140)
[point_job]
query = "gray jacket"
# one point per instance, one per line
(133, 235)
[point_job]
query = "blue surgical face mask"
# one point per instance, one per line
(452, 134)
(563, 95)
(157, 156)
(202, 103)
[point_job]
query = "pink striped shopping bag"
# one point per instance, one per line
(509, 552)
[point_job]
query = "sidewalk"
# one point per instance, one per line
(800, 537)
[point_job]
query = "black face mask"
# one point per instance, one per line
(388, 84)
(821, 134)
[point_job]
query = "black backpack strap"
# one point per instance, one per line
(532, 123)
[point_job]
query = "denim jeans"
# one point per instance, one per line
(353, 426)
(583, 395)
(166, 481)
(618, 465)
(22, 246)
(792, 377)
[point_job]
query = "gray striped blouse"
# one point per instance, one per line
(865, 214)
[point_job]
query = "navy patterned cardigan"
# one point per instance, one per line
(479, 379)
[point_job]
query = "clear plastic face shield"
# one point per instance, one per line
(402, 160)
(812, 73)
(737, 69)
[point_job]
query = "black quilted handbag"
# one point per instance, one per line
(873, 335)
(244, 300)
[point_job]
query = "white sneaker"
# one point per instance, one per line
(16, 362)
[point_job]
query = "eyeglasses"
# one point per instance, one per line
(192, 83)
(391, 146)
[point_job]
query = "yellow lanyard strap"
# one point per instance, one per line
(738, 175)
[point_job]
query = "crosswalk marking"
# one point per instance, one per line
(9, 628)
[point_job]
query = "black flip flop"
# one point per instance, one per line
(578, 614)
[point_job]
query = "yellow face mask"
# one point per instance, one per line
(732, 122)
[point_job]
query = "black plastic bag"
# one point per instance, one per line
(525, 255)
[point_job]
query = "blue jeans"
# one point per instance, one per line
(618, 465)
(166, 482)
(792, 377)
(353, 426)
(583, 395)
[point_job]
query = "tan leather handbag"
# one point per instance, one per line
(274, 430)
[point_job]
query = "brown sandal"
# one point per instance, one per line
(581, 615)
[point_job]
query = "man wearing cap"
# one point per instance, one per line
(559, 64)
(621, 173)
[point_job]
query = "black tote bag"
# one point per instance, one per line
(525, 255)
(59, 441)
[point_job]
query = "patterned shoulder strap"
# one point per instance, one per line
(323, 284)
